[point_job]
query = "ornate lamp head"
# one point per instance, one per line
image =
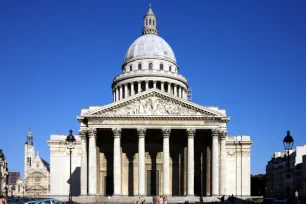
(288, 141)
(70, 140)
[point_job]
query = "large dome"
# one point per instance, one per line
(150, 45)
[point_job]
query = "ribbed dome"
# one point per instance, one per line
(150, 45)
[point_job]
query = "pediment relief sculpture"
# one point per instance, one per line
(152, 106)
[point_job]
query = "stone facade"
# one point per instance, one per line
(152, 140)
(36, 180)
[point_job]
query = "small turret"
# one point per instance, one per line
(149, 23)
(29, 138)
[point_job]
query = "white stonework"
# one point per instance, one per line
(36, 180)
(59, 165)
(152, 140)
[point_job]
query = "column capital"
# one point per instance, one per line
(141, 132)
(83, 133)
(190, 132)
(117, 132)
(92, 132)
(222, 134)
(215, 132)
(166, 132)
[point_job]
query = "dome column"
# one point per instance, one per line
(132, 89)
(169, 88)
(139, 86)
(179, 92)
(174, 90)
(162, 86)
(120, 92)
(154, 84)
(147, 85)
(114, 95)
(117, 93)
(125, 90)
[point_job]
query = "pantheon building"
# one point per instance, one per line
(152, 139)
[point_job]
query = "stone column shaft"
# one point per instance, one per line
(117, 93)
(208, 170)
(179, 92)
(132, 89)
(83, 162)
(215, 161)
(117, 161)
(154, 84)
(190, 162)
(147, 85)
(121, 92)
(141, 161)
(162, 86)
(92, 180)
(166, 161)
(139, 86)
(222, 163)
(125, 90)
(169, 88)
(175, 90)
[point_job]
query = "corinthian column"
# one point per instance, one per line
(117, 94)
(132, 89)
(139, 86)
(121, 92)
(162, 84)
(169, 88)
(117, 161)
(125, 90)
(166, 163)
(222, 136)
(141, 161)
(147, 85)
(190, 162)
(92, 180)
(83, 134)
(215, 167)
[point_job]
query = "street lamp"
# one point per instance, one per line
(288, 144)
(70, 142)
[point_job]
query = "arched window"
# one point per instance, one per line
(130, 67)
(161, 67)
(153, 22)
(139, 66)
(170, 69)
(146, 22)
(150, 21)
(150, 66)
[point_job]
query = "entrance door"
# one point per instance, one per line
(152, 182)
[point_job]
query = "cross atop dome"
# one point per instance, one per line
(149, 22)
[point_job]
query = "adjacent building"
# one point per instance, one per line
(277, 170)
(3, 174)
(36, 180)
(152, 140)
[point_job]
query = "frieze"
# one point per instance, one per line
(153, 104)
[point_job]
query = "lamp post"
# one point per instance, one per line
(288, 144)
(70, 142)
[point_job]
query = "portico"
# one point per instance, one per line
(129, 146)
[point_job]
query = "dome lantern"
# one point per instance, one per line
(149, 23)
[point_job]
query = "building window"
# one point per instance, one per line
(146, 22)
(150, 66)
(139, 66)
(161, 67)
(170, 68)
(150, 21)
(130, 67)
(153, 22)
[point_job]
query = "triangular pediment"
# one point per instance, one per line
(153, 103)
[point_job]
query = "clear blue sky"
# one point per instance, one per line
(247, 57)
